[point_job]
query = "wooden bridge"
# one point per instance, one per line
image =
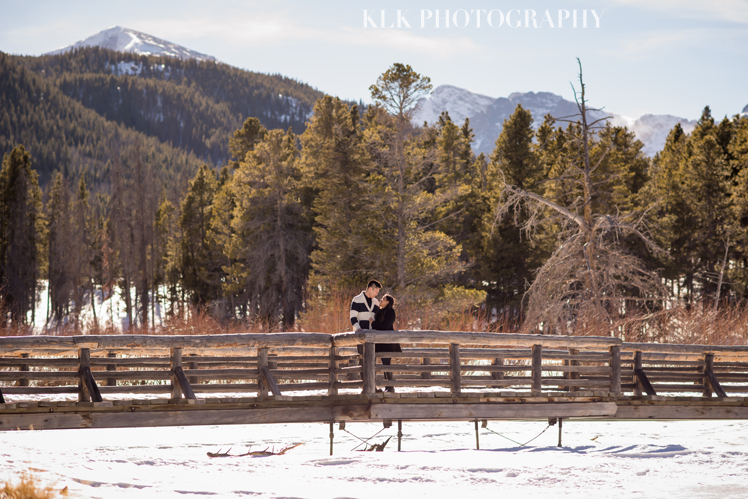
(53, 382)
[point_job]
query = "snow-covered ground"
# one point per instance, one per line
(707, 459)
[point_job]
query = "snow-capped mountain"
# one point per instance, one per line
(460, 104)
(653, 129)
(128, 40)
(487, 115)
(745, 111)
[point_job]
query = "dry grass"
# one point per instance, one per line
(28, 487)
(329, 313)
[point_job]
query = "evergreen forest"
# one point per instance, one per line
(197, 186)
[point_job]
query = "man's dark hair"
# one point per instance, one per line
(374, 283)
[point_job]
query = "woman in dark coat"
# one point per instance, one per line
(384, 320)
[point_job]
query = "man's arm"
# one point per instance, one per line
(354, 316)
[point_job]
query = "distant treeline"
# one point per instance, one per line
(361, 195)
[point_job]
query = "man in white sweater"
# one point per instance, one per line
(364, 306)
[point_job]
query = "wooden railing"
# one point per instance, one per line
(283, 364)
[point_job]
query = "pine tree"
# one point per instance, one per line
(20, 209)
(509, 258)
(336, 166)
(59, 277)
(194, 221)
(272, 229)
(738, 149)
(404, 189)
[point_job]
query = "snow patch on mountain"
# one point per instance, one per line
(745, 111)
(128, 40)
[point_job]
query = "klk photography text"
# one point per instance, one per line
(482, 18)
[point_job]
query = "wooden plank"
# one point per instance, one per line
(455, 368)
(270, 381)
(44, 421)
(29, 362)
(218, 374)
(38, 375)
(59, 345)
(493, 411)
(670, 348)
(39, 390)
(685, 412)
(471, 338)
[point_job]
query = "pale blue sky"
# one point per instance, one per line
(648, 56)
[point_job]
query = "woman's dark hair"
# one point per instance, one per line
(380, 313)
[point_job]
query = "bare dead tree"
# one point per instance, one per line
(590, 276)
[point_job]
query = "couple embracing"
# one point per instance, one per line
(369, 313)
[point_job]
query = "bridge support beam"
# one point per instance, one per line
(615, 370)
(88, 391)
(455, 368)
(537, 369)
(179, 383)
(370, 369)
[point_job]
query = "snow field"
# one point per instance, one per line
(706, 459)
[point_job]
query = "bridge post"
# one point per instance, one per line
(708, 366)
(24, 367)
(193, 365)
(572, 374)
(615, 370)
(399, 434)
(262, 361)
(332, 435)
(498, 361)
(455, 371)
(637, 365)
(84, 360)
(176, 361)
(370, 369)
(426, 361)
(537, 369)
(332, 389)
(87, 389)
(111, 367)
(477, 436)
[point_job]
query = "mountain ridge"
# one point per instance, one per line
(121, 39)
(487, 119)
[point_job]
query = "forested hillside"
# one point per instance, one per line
(192, 106)
(65, 136)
